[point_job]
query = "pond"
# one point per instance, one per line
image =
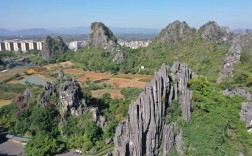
(34, 79)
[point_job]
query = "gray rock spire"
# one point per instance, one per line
(144, 128)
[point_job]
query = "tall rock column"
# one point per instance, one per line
(145, 129)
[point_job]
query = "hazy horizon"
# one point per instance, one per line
(147, 14)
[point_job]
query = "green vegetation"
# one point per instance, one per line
(9, 91)
(215, 127)
(90, 85)
(173, 112)
(44, 145)
(242, 76)
(131, 93)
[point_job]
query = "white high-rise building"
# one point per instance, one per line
(39, 45)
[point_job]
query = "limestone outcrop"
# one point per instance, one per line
(102, 37)
(52, 47)
(71, 99)
(66, 96)
(238, 91)
(119, 57)
(145, 126)
(239, 43)
(213, 32)
(174, 32)
(231, 58)
(246, 114)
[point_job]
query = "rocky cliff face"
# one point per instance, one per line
(67, 96)
(246, 114)
(102, 37)
(174, 32)
(238, 91)
(71, 99)
(212, 31)
(239, 42)
(231, 58)
(52, 47)
(144, 128)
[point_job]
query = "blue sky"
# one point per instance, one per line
(20, 14)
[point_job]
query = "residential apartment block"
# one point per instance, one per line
(23, 46)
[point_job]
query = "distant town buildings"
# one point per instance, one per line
(21, 46)
(75, 45)
(134, 44)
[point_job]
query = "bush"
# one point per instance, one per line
(43, 145)
(130, 93)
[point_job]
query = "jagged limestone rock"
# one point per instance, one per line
(28, 93)
(174, 32)
(179, 143)
(102, 37)
(213, 32)
(49, 90)
(97, 118)
(238, 91)
(71, 100)
(231, 58)
(119, 57)
(246, 114)
(61, 74)
(144, 128)
(53, 47)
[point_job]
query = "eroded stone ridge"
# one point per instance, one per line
(174, 32)
(53, 47)
(145, 132)
(102, 37)
(67, 98)
(231, 58)
(71, 98)
(238, 91)
(246, 114)
(212, 31)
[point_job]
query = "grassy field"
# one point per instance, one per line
(117, 82)
(10, 73)
(4, 102)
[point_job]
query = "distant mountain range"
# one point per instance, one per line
(73, 30)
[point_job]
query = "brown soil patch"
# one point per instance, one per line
(93, 76)
(57, 66)
(115, 93)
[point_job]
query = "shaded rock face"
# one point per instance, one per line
(52, 47)
(238, 44)
(246, 114)
(61, 74)
(70, 98)
(174, 32)
(102, 37)
(28, 93)
(49, 90)
(238, 91)
(97, 118)
(119, 57)
(212, 31)
(144, 128)
(67, 98)
(231, 58)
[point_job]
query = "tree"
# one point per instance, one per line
(92, 131)
(45, 120)
(43, 145)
